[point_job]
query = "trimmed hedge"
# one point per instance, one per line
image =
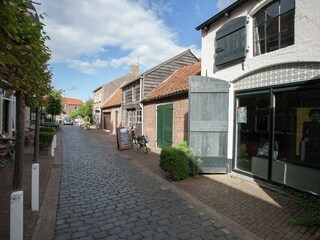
(45, 139)
(180, 161)
(174, 161)
(47, 129)
(50, 124)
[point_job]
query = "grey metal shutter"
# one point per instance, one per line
(208, 122)
(231, 41)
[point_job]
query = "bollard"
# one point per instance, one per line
(55, 140)
(16, 215)
(35, 187)
(52, 149)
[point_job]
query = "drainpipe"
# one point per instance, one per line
(141, 105)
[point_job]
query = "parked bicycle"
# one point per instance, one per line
(7, 155)
(139, 141)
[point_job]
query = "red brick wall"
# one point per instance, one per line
(180, 119)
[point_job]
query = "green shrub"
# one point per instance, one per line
(180, 161)
(183, 146)
(49, 124)
(45, 139)
(175, 162)
(194, 162)
(47, 129)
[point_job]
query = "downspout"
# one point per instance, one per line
(100, 118)
(141, 105)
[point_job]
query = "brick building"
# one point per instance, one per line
(165, 109)
(69, 105)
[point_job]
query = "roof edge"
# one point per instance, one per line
(221, 14)
(177, 93)
(169, 60)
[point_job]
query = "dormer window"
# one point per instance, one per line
(274, 27)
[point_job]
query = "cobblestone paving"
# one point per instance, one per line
(104, 196)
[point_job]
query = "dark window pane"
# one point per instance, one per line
(286, 5)
(272, 26)
(297, 119)
(287, 21)
(275, 30)
(259, 18)
(272, 10)
(287, 38)
(273, 43)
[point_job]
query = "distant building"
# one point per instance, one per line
(69, 105)
(104, 92)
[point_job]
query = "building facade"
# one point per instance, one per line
(103, 93)
(165, 109)
(8, 113)
(134, 91)
(268, 53)
(111, 112)
(69, 105)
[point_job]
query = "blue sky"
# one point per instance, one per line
(93, 42)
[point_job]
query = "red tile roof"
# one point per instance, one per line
(73, 101)
(114, 100)
(178, 82)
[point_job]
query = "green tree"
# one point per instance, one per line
(54, 103)
(23, 67)
(85, 110)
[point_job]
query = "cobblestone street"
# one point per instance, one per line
(103, 195)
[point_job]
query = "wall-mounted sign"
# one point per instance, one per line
(124, 138)
(241, 114)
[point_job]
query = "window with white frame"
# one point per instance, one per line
(274, 26)
(139, 116)
(130, 121)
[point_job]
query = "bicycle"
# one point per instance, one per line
(139, 141)
(7, 154)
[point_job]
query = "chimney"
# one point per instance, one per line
(134, 69)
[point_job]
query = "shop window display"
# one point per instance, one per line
(294, 131)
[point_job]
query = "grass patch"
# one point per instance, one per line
(311, 205)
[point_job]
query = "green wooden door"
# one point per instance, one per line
(164, 125)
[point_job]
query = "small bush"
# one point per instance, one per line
(194, 162)
(175, 162)
(180, 161)
(45, 139)
(51, 125)
(47, 129)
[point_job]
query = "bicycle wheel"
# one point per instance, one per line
(145, 148)
(136, 145)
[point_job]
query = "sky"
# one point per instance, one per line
(93, 42)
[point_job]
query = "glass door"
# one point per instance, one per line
(253, 134)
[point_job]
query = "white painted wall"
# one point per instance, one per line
(305, 49)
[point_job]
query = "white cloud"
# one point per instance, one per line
(222, 4)
(86, 29)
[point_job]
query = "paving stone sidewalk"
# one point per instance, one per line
(260, 208)
(104, 195)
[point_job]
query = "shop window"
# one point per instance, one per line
(297, 127)
(274, 27)
(253, 134)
